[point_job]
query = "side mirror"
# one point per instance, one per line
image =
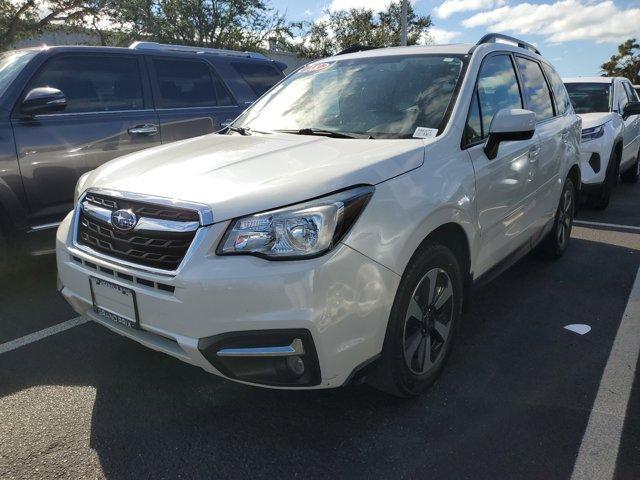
(509, 124)
(631, 108)
(43, 100)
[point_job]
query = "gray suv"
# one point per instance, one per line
(67, 110)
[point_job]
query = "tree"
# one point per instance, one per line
(626, 63)
(26, 18)
(359, 26)
(234, 24)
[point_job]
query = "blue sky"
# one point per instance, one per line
(577, 36)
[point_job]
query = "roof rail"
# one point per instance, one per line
(494, 37)
(185, 48)
(355, 48)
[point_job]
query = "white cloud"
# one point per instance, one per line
(449, 7)
(562, 21)
(439, 35)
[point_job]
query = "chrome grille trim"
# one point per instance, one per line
(158, 225)
(203, 212)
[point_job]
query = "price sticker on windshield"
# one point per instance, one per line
(315, 67)
(424, 132)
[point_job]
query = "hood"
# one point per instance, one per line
(239, 175)
(590, 120)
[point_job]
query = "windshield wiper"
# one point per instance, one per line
(240, 130)
(326, 133)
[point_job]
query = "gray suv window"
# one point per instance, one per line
(497, 89)
(93, 83)
(260, 77)
(11, 63)
(188, 83)
(535, 88)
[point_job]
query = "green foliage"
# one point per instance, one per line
(235, 24)
(626, 63)
(26, 18)
(344, 28)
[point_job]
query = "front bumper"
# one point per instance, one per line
(594, 161)
(343, 299)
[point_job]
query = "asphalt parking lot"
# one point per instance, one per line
(522, 397)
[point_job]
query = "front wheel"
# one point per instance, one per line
(422, 324)
(600, 199)
(632, 174)
(557, 240)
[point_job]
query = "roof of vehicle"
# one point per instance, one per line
(453, 49)
(152, 47)
(589, 79)
(489, 42)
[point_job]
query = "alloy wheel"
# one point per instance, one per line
(428, 321)
(565, 219)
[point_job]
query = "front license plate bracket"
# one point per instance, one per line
(114, 302)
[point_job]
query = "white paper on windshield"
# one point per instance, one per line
(424, 132)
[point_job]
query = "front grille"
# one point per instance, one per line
(142, 209)
(163, 250)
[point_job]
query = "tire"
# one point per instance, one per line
(632, 174)
(600, 200)
(416, 349)
(4, 252)
(555, 243)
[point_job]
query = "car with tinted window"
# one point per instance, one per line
(67, 110)
(335, 232)
(610, 144)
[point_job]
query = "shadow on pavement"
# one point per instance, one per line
(29, 300)
(513, 402)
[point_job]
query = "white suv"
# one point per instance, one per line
(610, 112)
(336, 230)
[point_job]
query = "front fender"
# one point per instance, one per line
(405, 210)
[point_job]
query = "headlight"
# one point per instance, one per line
(79, 188)
(592, 133)
(301, 231)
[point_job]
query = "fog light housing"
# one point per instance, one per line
(594, 162)
(295, 365)
(266, 357)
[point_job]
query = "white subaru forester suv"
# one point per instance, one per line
(335, 231)
(610, 111)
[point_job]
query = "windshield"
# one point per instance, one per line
(11, 64)
(590, 97)
(380, 97)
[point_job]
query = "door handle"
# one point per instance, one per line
(148, 129)
(533, 153)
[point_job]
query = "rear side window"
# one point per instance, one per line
(187, 83)
(497, 89)
(535, 88)
(559, 90)
(260, 76)
(93, 83)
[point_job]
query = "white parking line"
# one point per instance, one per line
(600, 224)
(601, 441)
(47, 332)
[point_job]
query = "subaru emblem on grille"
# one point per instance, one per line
(124, 219)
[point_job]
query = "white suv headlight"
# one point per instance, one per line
(301, 231)
(592, 133)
